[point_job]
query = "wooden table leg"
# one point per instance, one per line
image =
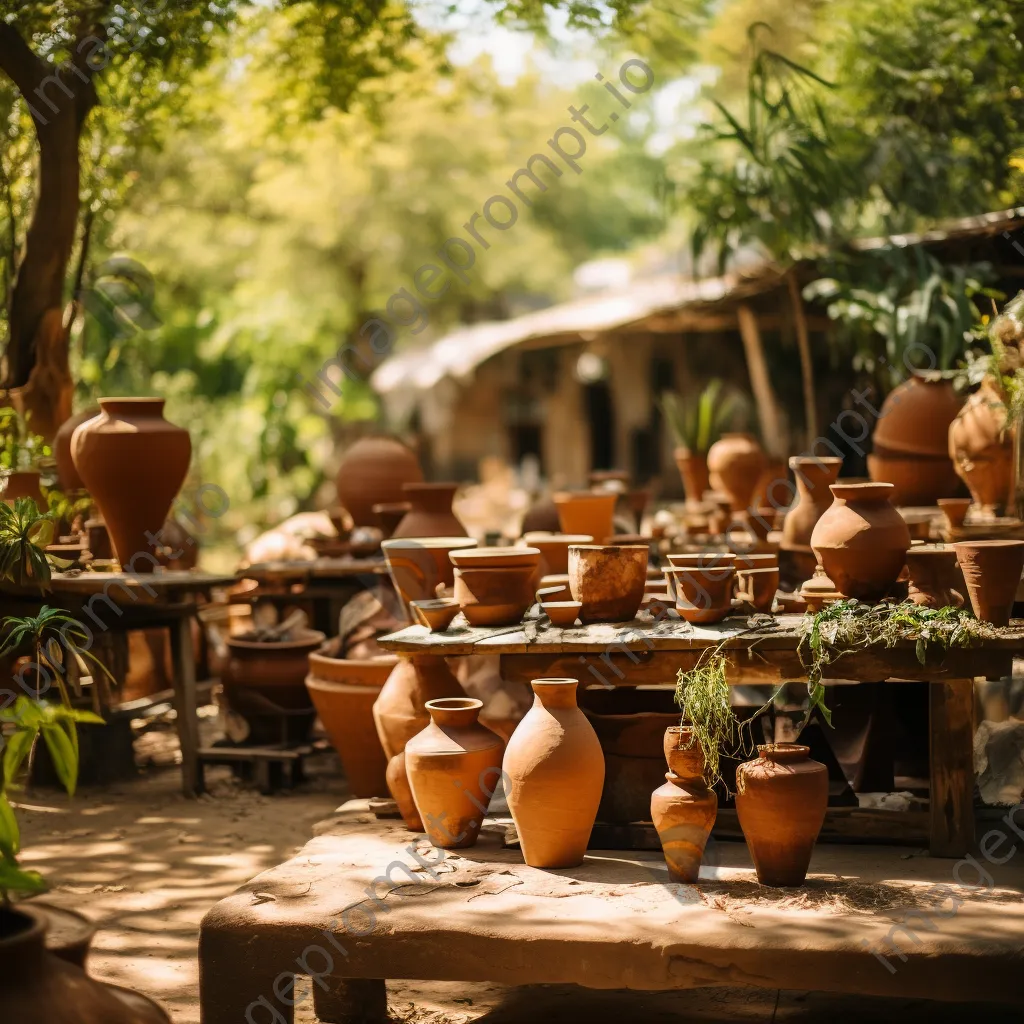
(351, 1001)
(184, 683)
(951, 754)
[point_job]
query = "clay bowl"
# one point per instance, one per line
(554, 588)
(955, 510)
(992, 572)
(496, 558)
(608, 580)
(494, 597)
(419, 565)
(705, 595)
(758, 587)
(562, 614)
(437, 613)
(554, 549)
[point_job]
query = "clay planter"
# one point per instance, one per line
(704, 595)
(781, 798)
(69, 934)
(399, 714)
(454, 766)
(916, 479)
(66, 473)
(389, 515)
(554, 549)
(861, 541)
(981, 447)
(935, 578)
(431, 514)
(736, 463)
(435, 613)
(758, 587)
(494, 597)
(814, 476)
(693, 468)
(561, 614)
(608, 581)
(265, 683)
(132, 462)
(344, 691)
(372, 472)
(915, 417)
(419, 567)
(587, 512)
(955, 511)
(992, 571)
(554, 773)
(766, 492)
(684, 809)
(24, 483)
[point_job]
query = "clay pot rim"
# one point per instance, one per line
(534, 538)
(721, 572)
(755, 571)
(546, 681)
(601, 496)
(392, 506)
(379, 659)
(429, 543)
(783, 752)
(500, 554)
(707, 556)
(454, 704)
(307, 637)
(816, 460)
(434, 604)
(610, 549)
(873, 491)
(33, 931)
(987, 544)
(431, 485)
(561, 604)
(138, 401)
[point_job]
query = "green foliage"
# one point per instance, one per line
(697, 425)
(705, 702)
(19, 447)
(24, 534)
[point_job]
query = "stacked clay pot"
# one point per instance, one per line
(608, 580)
(591, 513)
(781, 799)
(981, 447)
(418, 566)
(736, 463)
(431, 513)
(814, 476)
(693, 468)
(495, 586)
(554, 773)
(454, 766)
(372, 472)
(992, 573)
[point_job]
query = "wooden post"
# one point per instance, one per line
(760, 382)
(806, 365)
(951, 754)
(184, 683)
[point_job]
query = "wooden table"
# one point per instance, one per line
(113, 603)
(648, 652)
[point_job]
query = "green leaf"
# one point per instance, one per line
(15, 879)
(921, 649)
(19, 746)
(65, 758)
(10, 836)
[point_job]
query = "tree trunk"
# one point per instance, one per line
(769, 417)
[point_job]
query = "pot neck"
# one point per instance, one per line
(814, 476)
(149, 407)
(431, 497)
(22, 942)
(862, 494)
(784, 753)
(454, 712)
(555, 693)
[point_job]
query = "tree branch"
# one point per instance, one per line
(17, 60)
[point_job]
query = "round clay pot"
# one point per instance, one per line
(955, 511)
(494, 597)
(916, 479)
(344, 691)
(389, 515)
(704, 595)
(418, 567)
(916, 415)
(861, 541)
(684, 809)
(587, 512)
(561, 614)
(935, 577)
(431, 514)
(608, 581)
(69, 934)
(66, 473)
(735, 463)
(132, 462)
(24, 483)
(758, 587)
(454, 766)
(541, 517)
(554, 549)
(981, 447)
(372, 472)
(781, 798)
(399, 713)
(693, 468)
(992, 572)
(554, 773)
(814, 476)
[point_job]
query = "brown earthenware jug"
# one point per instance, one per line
(454, 766)
(736, 462)
(554, 773)
(781, 798)
(992, 571)
(372, 472)
(132, 462)
(431, 514)
(684, 809)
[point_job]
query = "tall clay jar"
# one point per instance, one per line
(735, 463)
(554, 773)
(684, 809)
(814, 478)
(132, 462)
(372, 472)
(453, 765)
(781, 798)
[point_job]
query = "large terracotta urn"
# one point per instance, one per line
(591, 513)
(861, 541)
(454, 766)
(992, 573)
(684, 809)
(554, 773)
(981, 447)
(814, 476)
(431, 514)
(372, 472)
(916, 415)
(132, 462)
(781, 799)
(735, 464)
(67, 475)
(693, 468)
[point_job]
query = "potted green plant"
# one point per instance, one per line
(23, 456)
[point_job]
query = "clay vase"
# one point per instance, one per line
(693, 468)
(915, 417)
(587, 512)
(935, 578)
(372, 472)
(554, 773)
(399, 713)
(344, 691)
(132, 462)
(781, 798)
(814, 476)
(431, 514)
(24, 483)
(861, 541)
(454, 766)
(992, 572)
(66, 473)
(735, 463)
(419, 566)
(608, 581)
(981, 447)
(703, 594)
(684, 809)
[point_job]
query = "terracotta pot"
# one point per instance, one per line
(419, 567)
(554, 549)
(916, 415)
(344, 691)
(587, 512)
(916, 479)
(814, 476)
(431, 514)
(684, 809)
(454, 766)
(389, 515)
(704, 595)
(554, 772)
(561, 614)
(132, 462)
(66, 473)
(749, 528)
(399, 713)
(861, 541)
(496, 558)
(608, 581)
(541, 517)
(758, 587)
(69, 934)
(981, 447)
(41, 988)
(494, 597)
(435, 613)
(772, 488)
(372, 472)
(735, 463)
(955, 511)
(781, 798)
(992, 572)
(935, 577)
(24, 483)
(693, 468)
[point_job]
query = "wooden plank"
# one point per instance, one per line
(184, 683)
(951, 708)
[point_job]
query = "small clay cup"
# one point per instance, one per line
(436, 613)
(562, 614)
(992, 570)
(704, 595)
(955, 510)
(608, 580)
(758, 587)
